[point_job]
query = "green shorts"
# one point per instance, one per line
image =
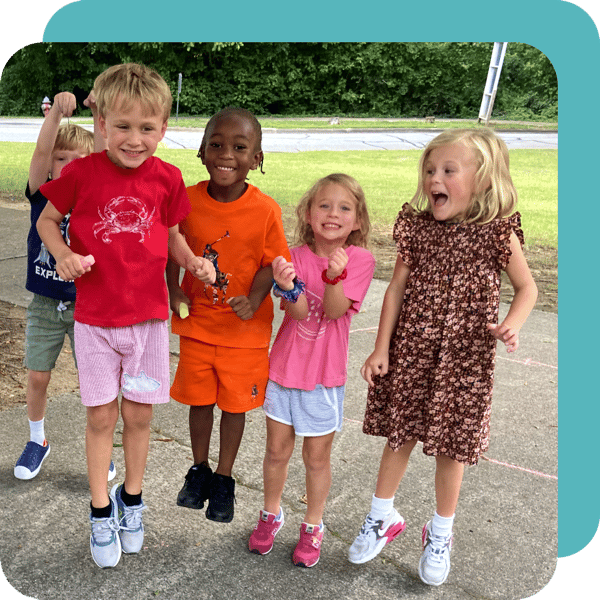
(47, 325)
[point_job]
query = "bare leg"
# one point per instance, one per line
(37, 385)
(101, 422)
(201, 424)
(392, 468)
(281, 439)
(136, 439)
(448, 479)
(316, 452)
(231, 432)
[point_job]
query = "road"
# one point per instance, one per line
(282, 140)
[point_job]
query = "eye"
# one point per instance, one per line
(240, 147)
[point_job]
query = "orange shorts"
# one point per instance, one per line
(233, 378)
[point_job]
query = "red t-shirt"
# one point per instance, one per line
(239, 237)
(121, 217)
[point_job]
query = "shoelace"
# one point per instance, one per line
(370, 526)
(435, 547)
(132, 517)
(104, 529)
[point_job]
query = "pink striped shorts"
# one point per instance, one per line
(133, 360)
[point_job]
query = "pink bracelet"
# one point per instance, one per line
(337, 279)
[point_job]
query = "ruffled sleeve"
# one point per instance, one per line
(403, 233)
(506, 227)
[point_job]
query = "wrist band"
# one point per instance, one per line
(337, 279)
(289, 295)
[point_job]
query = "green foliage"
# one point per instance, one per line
(445, 79)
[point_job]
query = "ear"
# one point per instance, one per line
(163, 129)
(256, 160)
(102, 126)
(357, 224)
(202, 155)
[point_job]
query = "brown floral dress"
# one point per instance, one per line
(439, 385)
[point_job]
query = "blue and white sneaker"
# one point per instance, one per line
(30, 461)
(112, 471)
(105, 543)
(131, 526)
(434, 565)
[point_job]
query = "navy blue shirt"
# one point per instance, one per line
(42, 277)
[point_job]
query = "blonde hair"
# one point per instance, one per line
(132, 82)
(495, 194)
(360, 237)
(73, 137)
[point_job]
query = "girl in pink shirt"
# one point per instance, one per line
(320, 290)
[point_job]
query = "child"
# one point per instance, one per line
(125, 205)
(224, 341)
(50, 313)
(431, 372)
(309, 357)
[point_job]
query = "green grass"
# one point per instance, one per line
(389, 178)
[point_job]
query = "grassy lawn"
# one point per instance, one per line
(389, 178)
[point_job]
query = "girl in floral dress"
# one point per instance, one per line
(431, 374)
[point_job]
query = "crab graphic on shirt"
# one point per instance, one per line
(219, 288)
(124, 214)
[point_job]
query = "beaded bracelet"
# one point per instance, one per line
(289, 295)
(337, 279)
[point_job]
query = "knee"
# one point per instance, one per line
(278, 453)
(39, 380)
(136, 415)
(102, 419)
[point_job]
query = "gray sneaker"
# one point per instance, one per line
(131, 526)
(104, 541)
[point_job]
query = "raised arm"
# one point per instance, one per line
(41, 161)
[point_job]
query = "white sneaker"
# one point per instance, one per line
(434, 565)
(131, 526)
(374, 535)
(104, 541)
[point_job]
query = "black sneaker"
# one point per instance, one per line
(196, 487)
(221, 499)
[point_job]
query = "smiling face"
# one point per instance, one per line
(231, 149)
(132, 133)
(449, 181)
(332, 216)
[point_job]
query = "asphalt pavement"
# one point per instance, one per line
(505, 544)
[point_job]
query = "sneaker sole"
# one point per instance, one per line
(107, 566)
(380, 545)
(304, 565)
(189, 503)
(25, 474)
(433, 583)
(218, 518)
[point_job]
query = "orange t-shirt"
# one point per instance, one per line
(239, 237)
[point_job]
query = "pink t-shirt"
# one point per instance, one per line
(121, 217)
(315, 351)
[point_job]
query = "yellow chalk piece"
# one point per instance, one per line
(184, 311)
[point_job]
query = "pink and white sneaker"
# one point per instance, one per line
(308, 549)
(263, 536)
(374, 536)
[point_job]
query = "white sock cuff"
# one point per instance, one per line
(36, 432)
(381, 507)
(442, 525)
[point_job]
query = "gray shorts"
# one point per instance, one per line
(311, 413)
(45, 332)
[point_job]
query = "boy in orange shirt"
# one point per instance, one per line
(225, 339)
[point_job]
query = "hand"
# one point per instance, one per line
(507, 335)
(337, 263)
(90, 102)
(376, 364)
(71, 265)
(202, 269)
(242, 307)
(65, 103)
(283, 273)
(177, 298)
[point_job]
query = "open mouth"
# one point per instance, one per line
(439, 199)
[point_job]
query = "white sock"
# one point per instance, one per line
(442, 526)
(381, 507)
(36, 432)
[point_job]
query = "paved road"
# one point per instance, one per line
(279, 140)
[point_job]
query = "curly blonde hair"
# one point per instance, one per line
(304, 232)
(496, 195)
